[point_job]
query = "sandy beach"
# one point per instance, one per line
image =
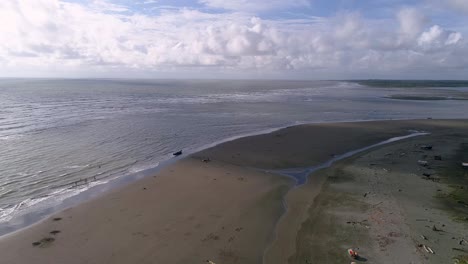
(235, 209)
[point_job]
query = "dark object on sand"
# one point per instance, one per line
(206, 160)
(427, 174)
(426, 147)
(460, 249)
(57, 219)
(178, 153)
(434, 228)
(54, 232)
(437, 157)
(37, 243)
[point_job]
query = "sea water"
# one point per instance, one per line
(59, 138)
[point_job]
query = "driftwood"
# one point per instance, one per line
(428, 249)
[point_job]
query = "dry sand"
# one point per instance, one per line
(226, 210)
(189, 213)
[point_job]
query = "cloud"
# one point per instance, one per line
(412, 21)
(436, 37)
(254, 5)
(460, 5)
(52, 37)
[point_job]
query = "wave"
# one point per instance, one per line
(11, 137)
(142, 167)
(49, 200)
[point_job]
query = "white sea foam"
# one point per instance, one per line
(49, 200)
(10, 137)
(142, 167)
(76, 166)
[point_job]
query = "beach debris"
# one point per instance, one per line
(423, 237)
(57, 219)
(361, 223)
(437, 157)
(365, 195)
(210, 236)
(434, 228)
(428, 249)
(37, 243)
(210, 262)
(426, 174)
(423, 163)
(178, 153)
(352, 253)
(465, 164)
(206, 160)
(426, 147)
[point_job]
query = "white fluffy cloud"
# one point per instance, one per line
(52, 37)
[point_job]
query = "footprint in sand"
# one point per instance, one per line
(46, 241)
(54, 232)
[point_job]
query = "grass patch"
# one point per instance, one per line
(462, 259)
(456, 177)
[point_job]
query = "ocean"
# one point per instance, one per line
(61, 137)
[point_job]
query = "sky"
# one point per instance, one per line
(246, 39)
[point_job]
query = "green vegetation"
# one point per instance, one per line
(424, 98)
(457, 178)
(462, 259)
(412, 83)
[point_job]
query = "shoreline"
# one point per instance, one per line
(16, 223)
(243, 198)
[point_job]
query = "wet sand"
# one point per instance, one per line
(384, 204)
(227, 210)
